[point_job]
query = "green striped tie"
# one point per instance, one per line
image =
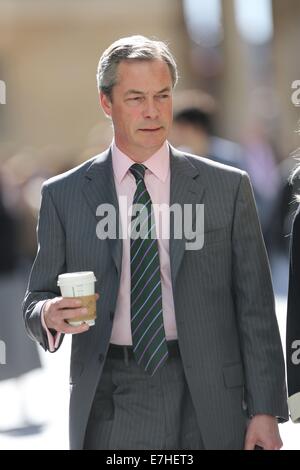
(148, 333)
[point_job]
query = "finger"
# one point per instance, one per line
(97, 296)
(68, 302)
(273, 444)
(73, 330)
(249, 444)
(71, 313)
(279, 444)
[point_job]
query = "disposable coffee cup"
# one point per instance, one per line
(82, 286)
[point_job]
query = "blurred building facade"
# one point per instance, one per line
(48, 58)
(49, 52)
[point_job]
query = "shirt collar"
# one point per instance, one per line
(158, 163)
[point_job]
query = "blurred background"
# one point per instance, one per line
(236, 102)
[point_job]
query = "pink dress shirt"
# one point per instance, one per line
(157, 181)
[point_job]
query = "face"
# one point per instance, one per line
(141, 107)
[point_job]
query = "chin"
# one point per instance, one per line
(154, 141)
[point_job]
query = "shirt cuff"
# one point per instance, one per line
(294, 406)
(53, 341)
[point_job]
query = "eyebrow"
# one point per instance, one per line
(138, 92)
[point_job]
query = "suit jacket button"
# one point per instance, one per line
(101, 357)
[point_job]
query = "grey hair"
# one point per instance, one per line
(131, 48)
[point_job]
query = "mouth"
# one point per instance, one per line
(155, 129)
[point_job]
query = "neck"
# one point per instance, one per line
(137, 155)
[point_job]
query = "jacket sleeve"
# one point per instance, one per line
(48, 264)
(260, 343)
(293, 323)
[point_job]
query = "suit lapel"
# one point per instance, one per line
(186, 188)
(99, 188)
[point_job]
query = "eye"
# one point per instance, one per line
(135, 99)
(163, 96)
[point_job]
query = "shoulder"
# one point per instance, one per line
(73, 177)
(210, 169)
(212, 166)
(69, 176)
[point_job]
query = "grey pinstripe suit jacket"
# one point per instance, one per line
(224, 305)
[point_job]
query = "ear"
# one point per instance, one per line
(105, 103)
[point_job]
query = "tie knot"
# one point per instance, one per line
(138, 171)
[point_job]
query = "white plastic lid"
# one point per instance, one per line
(83, 277)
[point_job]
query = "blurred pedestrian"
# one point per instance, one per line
(21, 355)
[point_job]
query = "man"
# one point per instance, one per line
(186, 346)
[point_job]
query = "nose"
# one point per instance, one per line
(150, 110)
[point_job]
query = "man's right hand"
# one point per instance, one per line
(58, 310)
